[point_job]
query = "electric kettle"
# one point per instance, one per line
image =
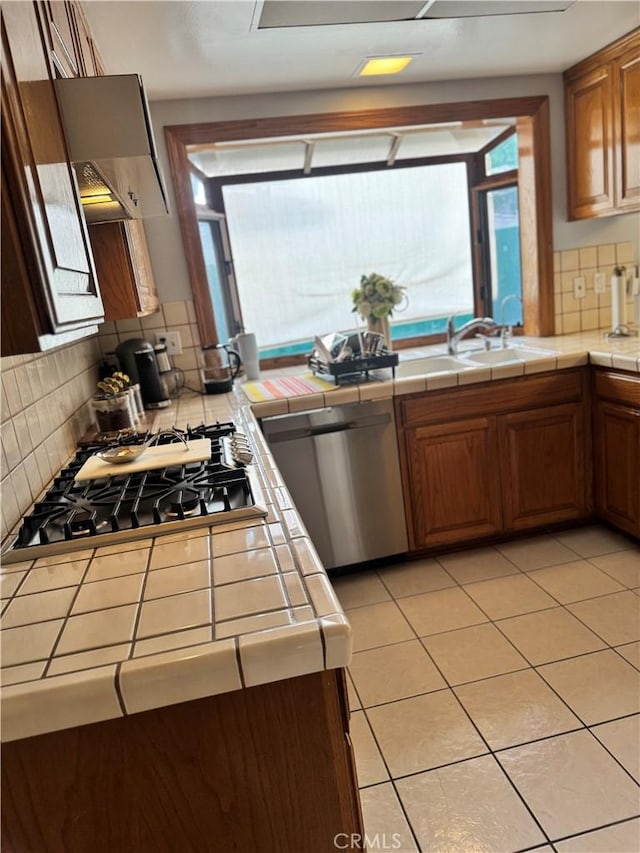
(219, 366)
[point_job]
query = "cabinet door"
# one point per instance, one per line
(617, 465)
(453, 481)
(543, 466)
(41, 184)
(124, 269)
(62, 45)
(627, 123)
(89, 61)
(589, 129)
(145, 282)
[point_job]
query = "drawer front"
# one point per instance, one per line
(488, 398)
(619, 387)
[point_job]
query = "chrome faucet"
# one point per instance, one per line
(453, 337)
(507, 330)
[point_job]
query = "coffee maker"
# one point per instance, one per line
(138, 360)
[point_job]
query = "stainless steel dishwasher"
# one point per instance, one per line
(342, 469)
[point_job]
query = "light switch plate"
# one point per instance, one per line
(579, 287)
(600, 282)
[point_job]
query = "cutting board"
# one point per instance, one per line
(164, 456)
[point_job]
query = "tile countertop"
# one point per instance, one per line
(96, 634)
(551, 353)
(100, 633)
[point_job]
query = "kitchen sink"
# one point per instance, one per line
(431, 364)
(510, 355)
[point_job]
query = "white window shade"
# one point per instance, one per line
(300, 247)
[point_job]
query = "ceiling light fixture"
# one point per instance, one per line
(384, 65)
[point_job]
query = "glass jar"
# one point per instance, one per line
(113, 412)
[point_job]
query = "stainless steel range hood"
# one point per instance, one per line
(110, 142)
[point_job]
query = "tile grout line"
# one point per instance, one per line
(136, 621)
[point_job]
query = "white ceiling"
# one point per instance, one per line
(200, 48)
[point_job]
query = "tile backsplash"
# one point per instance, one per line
(44, 408)
(175, 316)
(593, 311)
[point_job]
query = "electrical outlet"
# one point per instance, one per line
(600, 282)
(172, 340)
(579, 287)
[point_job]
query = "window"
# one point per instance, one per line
(440, 125)
(300, 246)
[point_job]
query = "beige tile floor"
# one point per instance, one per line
(495, 697)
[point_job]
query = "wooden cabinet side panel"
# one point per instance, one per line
(543, 466)
(617, 465)
(454, 481)
(268, 768)
(590, 144)
(114, 270)
(627, 123)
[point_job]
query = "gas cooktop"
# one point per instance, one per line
(76, 515)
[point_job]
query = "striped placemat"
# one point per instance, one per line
(285, 386)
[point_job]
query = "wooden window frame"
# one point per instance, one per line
(535, 206)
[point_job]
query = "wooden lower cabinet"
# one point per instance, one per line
(514, 458)
(543, 466)
(454, 482)
(616, 439)
(267, 769)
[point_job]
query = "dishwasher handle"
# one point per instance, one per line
(329, 429)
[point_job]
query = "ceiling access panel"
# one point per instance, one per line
(279, 14)
(317, 13)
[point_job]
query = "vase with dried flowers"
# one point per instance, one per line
(375, 300)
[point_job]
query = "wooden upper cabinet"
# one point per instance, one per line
(602, 120)
(88, 56)
(124, 269)
(47, 231)
(589, 116)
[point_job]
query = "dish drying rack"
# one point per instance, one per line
(355, 369)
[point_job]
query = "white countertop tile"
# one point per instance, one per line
(110, 593)
(281, 653)
(175, 612)
(100, 628)
(117, 565)
(239, 567)
(179, 676)
(176, 579)
(53, 577)
(34, 708)
(241, 540)
(175, 640)
(89, 660)
(27, 609)
(248, 597)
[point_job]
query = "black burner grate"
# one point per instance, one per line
(73, 510)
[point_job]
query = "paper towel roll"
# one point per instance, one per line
(618, 301)
(248, 348)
